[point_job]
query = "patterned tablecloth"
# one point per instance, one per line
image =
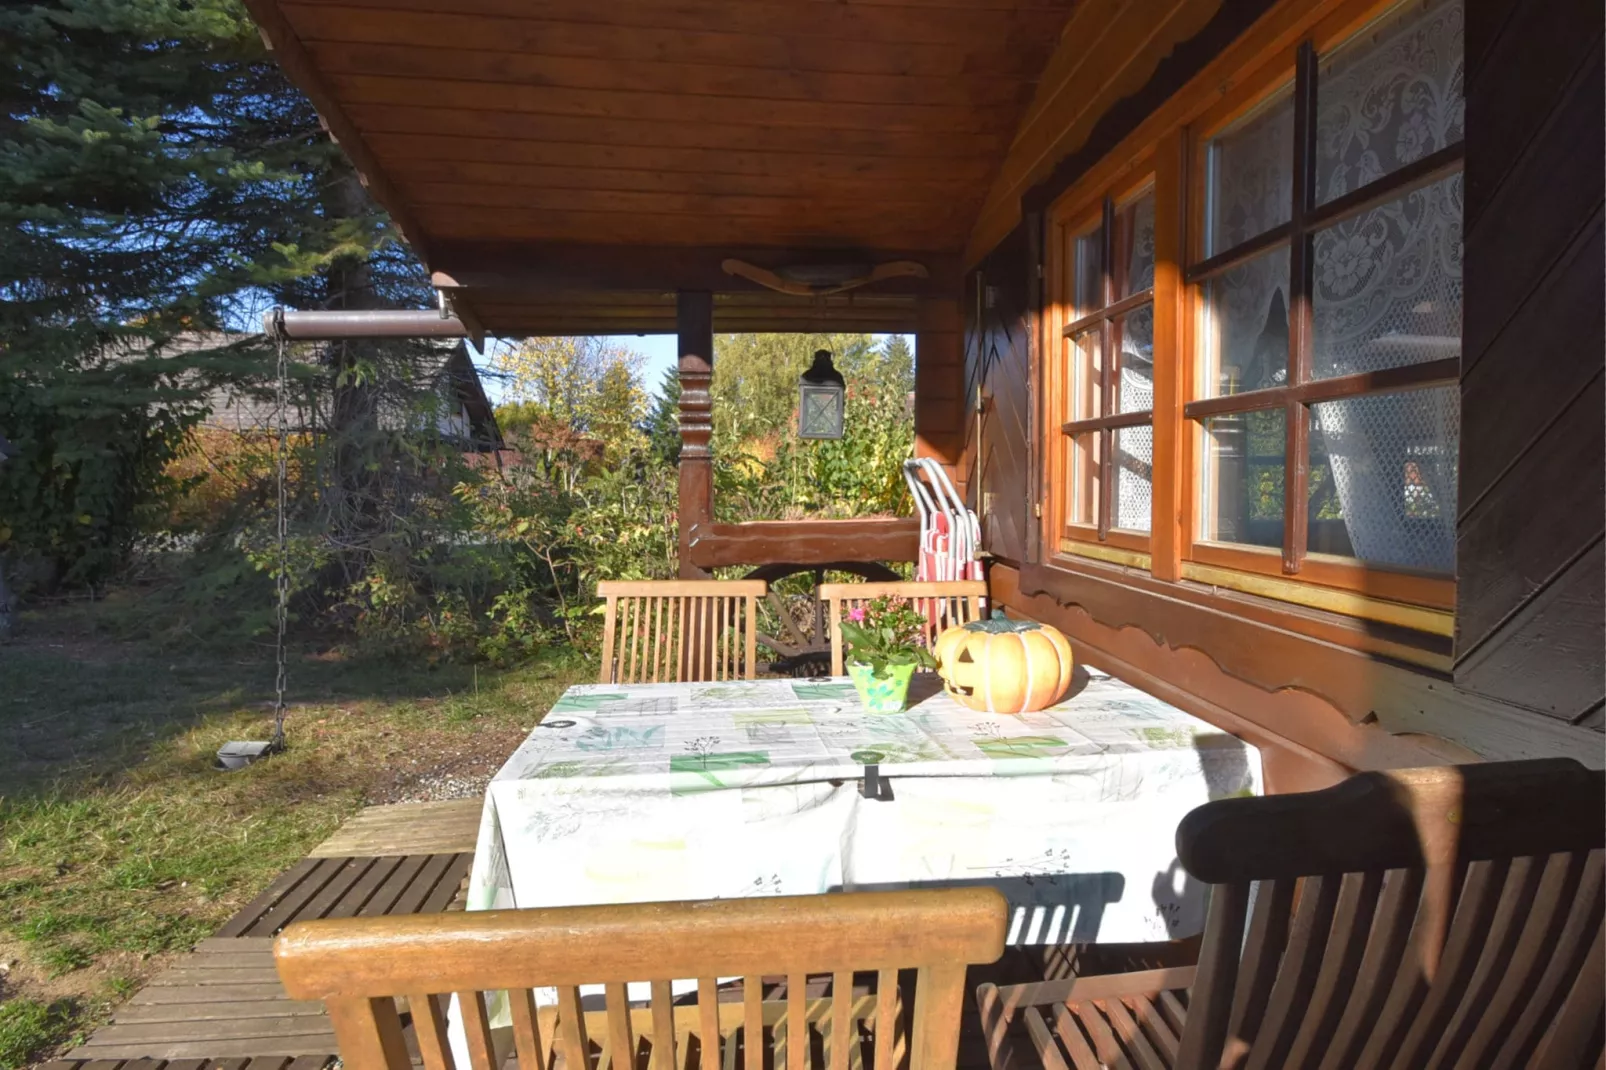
(708, 790)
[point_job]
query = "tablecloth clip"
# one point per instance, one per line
(874, 785)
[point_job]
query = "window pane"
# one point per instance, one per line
(1082, 479)
(1087, 371)
(1388, 284)
(1134, 463)
(1383, 478)
(1088, 291)
(1390, 95)
(1243, 478)
(1134, 334)
(1246, 327)
(1134, 245)
(1251, 175)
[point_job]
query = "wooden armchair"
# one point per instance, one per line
(1444, 917)
(943, 604)
(359, 966)
(679, 630)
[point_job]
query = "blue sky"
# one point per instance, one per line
(657, 353)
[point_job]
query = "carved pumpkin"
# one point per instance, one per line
(1004, 666)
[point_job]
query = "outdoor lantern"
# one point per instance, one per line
(821, 392)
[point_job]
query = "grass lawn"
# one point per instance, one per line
(120, 845)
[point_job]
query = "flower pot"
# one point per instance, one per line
(884, 693)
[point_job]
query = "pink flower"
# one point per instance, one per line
(856, 614)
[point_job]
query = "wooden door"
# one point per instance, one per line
(996, 365)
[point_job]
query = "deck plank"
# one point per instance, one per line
(197, 994)
(141, 1013)
(135, 1034)
(242, 1050)
(428, 828)
(281, 885)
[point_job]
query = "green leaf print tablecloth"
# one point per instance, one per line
(709, 790)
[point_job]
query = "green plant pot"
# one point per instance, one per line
(887, 693)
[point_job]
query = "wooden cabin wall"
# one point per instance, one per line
(1531, 562)
(1323, 694)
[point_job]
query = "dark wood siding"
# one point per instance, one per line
(997, 359)
(1531, 616)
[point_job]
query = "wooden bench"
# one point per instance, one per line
(1446, 917)
(360, 967)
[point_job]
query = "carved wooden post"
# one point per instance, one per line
(694, 319)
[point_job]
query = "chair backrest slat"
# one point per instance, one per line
(659, 631)
(1430, 919)
(889, 1009)
(1341, 962)
(358, 965)
(1257, 970)
(429, 1025)
(943, 604)
(1491, 953)
(1289, 1000)
(527, 1041)
(1563, 966)
(708, 1021)
(477, 1031)
(1558, 887)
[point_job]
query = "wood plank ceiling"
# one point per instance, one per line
(643, 141)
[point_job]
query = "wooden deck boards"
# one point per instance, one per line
(222, 1007)
(429, 828)
(179, 1015)
(343, 887)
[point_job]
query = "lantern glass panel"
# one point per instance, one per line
(820, 410)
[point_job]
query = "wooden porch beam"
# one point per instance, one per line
(694, 321)
(807, 542)
(565, 267)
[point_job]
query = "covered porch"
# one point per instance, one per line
(1173, 497)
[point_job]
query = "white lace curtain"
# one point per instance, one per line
(1387, 283)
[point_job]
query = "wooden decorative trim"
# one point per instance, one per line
(1124, 591)
(1214, 653)
(1349, 603)
(694, 321)
(1114, 555)
(1271, 687)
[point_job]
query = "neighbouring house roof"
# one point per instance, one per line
(440, 368)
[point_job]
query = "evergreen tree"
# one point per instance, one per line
(663, 422)
(158, 176)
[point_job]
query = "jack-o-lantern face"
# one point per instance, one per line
(1004, 666)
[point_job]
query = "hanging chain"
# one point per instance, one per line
(281, 534)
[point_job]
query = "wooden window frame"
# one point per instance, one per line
(1166, 149)
(1066, 225)
(1307, 217)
